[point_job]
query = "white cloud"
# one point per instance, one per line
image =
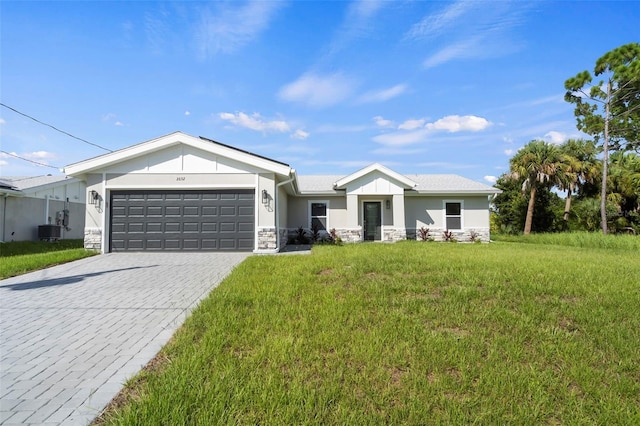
(228, 26)
(414, 131)
(187, 113)
(491, 179)
(2, 121)
(456, 123)
(255, 122)
(111, 118)
(402, 138)
(508, 152)
(555, 138)
(431, 25)
(299, 134)
(382, 122)
(460, 50)
(357, 24)
(318, 91)
(412, 124)
(38, 155)
(470, 30)
(384, 94)
(4, 163)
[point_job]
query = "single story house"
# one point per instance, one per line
(180, 192)
(28, 202)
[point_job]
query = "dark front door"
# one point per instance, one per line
(373, 221)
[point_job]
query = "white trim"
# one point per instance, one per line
(381, 201)
(408, 183)
(444, 214)
(173, 139)
(106, 228)
(256, 206)
(186, 188)
(309, 217)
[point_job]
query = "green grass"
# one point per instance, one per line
(576, 239)
(407, 333)
(20, 257)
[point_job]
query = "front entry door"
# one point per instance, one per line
(373, 221)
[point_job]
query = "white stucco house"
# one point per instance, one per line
(28, 202)
(180, 192)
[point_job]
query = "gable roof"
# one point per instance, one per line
(172, 139)
(406, 182)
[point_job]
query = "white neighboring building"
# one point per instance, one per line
(27, 202)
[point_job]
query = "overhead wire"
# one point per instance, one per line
(31, 161)
(54, 128)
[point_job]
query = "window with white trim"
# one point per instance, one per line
(318, 215)
(453, 215)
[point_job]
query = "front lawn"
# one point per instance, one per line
(20, 257)
(406, 333)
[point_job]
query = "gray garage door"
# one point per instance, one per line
(182, 220)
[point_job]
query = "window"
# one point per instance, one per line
(318, 210)
(453, 215)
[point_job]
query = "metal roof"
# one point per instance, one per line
(444, 183)
(22, 183)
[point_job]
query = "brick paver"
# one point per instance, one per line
(71, 335)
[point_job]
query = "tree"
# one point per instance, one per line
(580, 166)
(624, 189)
(537, 165)
(610, 109)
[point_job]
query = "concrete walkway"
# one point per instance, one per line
(71, 335)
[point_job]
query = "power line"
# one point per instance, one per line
(31, 161)
(54, 128)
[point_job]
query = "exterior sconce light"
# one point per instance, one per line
(388, 204)
(93, 197)
(265, 197)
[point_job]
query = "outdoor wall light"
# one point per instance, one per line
(265, 197)
(388, 204)
(93, 197)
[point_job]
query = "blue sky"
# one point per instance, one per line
(327, 87)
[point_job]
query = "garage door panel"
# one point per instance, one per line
(182, 220)
(245, 211)
(209, 227)
(191, 211)
(173, 211)
(210, 211)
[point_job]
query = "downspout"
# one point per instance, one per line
(277, 206)
(46, 210)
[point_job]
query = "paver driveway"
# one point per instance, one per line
(72, 334)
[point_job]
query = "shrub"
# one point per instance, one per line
(423, 233)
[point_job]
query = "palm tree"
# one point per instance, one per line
(537, 163)
(624, 182)
(579, 166)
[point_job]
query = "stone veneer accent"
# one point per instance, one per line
(394, 234)
(267, 239)
(93, 238)
(464, 236)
